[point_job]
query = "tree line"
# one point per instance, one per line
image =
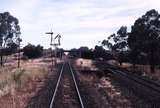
(141, 44)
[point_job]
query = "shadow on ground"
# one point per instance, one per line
(43, 97)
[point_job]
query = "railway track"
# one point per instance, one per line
(146, 89)
(138, 79)
(66, 93)
(142, 87)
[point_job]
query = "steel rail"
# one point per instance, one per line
(137, 80)
(55, 91)
(75, 83)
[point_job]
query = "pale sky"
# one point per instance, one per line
(80, 22)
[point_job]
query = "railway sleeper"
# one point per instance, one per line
(141, 91)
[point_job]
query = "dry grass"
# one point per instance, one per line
(13, 79)
(29, 70)
(85, 64)
(145, 69)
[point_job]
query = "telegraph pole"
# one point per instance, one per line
(19, 40)
(19, 52)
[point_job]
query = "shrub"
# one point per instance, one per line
(32, 51)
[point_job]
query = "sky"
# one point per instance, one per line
(79, 22)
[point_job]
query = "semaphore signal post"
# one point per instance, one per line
(54, 44)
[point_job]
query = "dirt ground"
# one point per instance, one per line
(18, 86)
(107, 91)
(144, 70)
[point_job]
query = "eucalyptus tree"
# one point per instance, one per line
(145, 37)
(117, 43)
(9, 32)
